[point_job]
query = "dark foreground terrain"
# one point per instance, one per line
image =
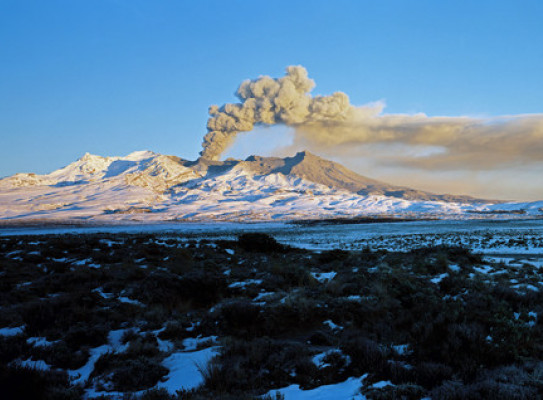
(103, 315)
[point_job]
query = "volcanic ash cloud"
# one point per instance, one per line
(271, 101)
(332, 124)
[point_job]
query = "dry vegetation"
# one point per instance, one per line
(435, 322)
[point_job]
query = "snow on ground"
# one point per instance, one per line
(515, 261)
(191, 344)
(323, 277)
(102, 294)
(318, 359)
(524, 287)
(127, 300)
(483, 269)
(331, 325)
(381, 384)
(522, 238)
(87, 262)
(35, 364)
(82, 374)
(401, 349)
(185, 369)
(454, 268)
(13, 331)
(147, 186)
(39, 341)
(439, 278)
(242, 284)
(347, 390)
(92, 393)
(262, 296)
(164, 345)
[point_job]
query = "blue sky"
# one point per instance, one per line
(111, 77)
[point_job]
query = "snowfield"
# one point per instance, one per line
(150, 187)
(501, 237)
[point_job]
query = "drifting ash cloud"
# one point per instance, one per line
(332, 124)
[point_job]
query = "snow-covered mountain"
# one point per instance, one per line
(147, 186)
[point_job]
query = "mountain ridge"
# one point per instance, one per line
(149, 186)
(313, 168)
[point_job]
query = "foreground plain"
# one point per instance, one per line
(164, 316)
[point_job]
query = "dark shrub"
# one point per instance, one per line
(253, 365)
(158, 394)
(260, 242)
(327, 257)
(12, 347)
(137, 374)
(487, 389)
(320, 338)
(199, 288)
(299, 314)
(129, 371)
(59, 355)
(286, 275)
(175, 330)
(18, 383)
(366, 355)
(146, 346)
(86, 335)
(430, 374)
(399, 392)
(239, 317)
(129, 335)
(203, 288)
(38, 315)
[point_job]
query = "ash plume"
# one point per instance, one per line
(332, 125)
(270, 101)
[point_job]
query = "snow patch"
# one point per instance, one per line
(439, 278)
(81, 375)
(242, 284)
(347, 390)
(323, 276)
(39, 341)
(35, 364)
(185, 369)
(13, 331)
(191, 344)
(331, 325)
(127, 300)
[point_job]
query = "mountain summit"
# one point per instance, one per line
(315, 169)
(148, 186)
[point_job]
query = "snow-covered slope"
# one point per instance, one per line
(140, 168)
(147, 186)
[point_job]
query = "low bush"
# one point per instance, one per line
(261, 243)
(329, 256)
(17, 382)
(137, 374)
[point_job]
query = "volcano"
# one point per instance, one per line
(150, 187)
